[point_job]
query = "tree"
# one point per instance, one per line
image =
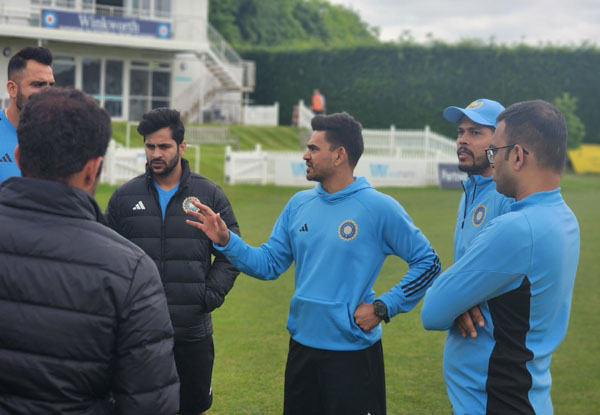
(576, 129)
(249, 24)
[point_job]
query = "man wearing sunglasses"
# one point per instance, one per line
(520, 270)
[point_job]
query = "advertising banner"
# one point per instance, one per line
(450, 176)
(89, 22)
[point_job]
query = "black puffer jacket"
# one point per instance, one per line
(194, 286)
(84, 327)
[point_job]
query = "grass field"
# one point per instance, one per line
(251, 340)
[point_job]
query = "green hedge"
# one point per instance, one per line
(409, 85)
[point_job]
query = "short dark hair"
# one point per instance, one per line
(541, 128)
(60, 130)
(18, 62)
(341, 130)
(160, 118)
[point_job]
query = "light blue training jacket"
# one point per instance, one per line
(520, 269)
(8, 142)
(339, 242)
(479, 204)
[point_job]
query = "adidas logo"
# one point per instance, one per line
(6, 159)
(139, 206)
(304, 228)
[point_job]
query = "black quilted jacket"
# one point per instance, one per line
(194, 284)
(84, 326)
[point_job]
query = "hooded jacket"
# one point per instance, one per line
(84, 327)
(339, 242)
(194, 285)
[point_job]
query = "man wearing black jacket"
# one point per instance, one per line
(150, 210)
(85, 327)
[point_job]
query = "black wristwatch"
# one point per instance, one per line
(381, 310)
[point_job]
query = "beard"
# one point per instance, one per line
(169, 166)
(479, 165)
(21, 99)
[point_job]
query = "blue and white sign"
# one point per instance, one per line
(89, 22)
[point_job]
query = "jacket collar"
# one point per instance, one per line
(478, 180)
(48, 196)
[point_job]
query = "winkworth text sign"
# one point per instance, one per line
(98, 23)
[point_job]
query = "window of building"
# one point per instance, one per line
(63, 69)
(149, 87)
(113, 88)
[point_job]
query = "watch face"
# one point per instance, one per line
(380, 309)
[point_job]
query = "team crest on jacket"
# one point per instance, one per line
(479, 215)
(189, 206)
(348, 230)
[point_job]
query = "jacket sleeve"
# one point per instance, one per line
(145, 378)
(268, 261)
(496, 262)
(221, 275)
(404, 239)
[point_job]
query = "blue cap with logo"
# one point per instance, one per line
(481, 111)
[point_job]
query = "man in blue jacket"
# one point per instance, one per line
(29, 72)
(480, 201)
(339, 235)
(520, 270)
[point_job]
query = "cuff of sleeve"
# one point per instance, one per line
(233, 240)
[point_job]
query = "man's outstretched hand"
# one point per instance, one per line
(210, 223)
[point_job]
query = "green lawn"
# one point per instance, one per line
(251, 340)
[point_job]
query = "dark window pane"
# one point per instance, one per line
(161, 84)
(91, 76)
(64, 74)
(114, 78)
(114, 108)
(138, 82)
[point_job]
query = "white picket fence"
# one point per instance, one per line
(399, 168)
(122, 164)
(261, 114)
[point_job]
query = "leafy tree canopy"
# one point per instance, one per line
(576, 129)
(251, 24)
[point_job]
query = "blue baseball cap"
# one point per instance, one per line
(481, 111)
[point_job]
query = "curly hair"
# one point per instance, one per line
(60, 130)
(341, 130)
(160, 118)
(18, 62)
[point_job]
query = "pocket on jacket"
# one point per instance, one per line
(326, 325)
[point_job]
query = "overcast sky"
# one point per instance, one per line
(508, 21)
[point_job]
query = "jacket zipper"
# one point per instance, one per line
(467, 201)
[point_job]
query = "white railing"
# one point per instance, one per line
(121, 164)
(407, 141)
(302, 116)
(289, 169)
(401, 142)
(261, 114)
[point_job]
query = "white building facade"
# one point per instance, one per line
(132, 55)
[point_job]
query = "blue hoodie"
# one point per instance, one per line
(339, 242)
(520, 269)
